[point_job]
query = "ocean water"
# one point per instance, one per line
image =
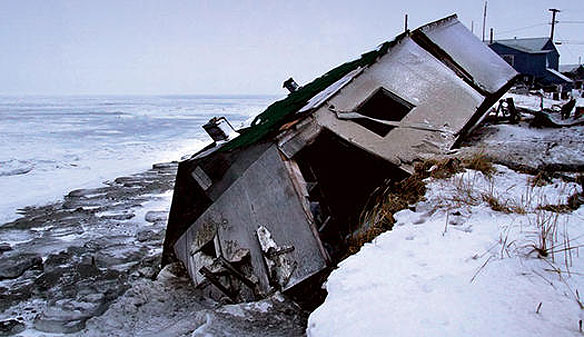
(51, 145)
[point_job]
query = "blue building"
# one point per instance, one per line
(535, 58)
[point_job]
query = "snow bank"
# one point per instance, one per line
(455, 267)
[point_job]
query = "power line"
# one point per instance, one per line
(523, 28)
(570, 22)
(567, 48)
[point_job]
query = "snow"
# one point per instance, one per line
(532, 102)
(455, 267)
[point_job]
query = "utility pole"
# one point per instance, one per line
(406, 23)
(472, 26)
(554, 11)
(484, 20)
(492, 35)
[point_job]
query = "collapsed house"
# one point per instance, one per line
(271, 208)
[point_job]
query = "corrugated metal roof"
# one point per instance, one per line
(530, 45)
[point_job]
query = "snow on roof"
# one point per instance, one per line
(559, 75)
(529, 45)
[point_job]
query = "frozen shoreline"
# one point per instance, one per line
(46, 187)
(51, 145)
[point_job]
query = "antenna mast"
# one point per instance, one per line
(484, 20)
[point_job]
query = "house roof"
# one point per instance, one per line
(559, 75)
(279, 112)
(529, 45)
(284, 111)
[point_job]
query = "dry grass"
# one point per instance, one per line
(507, 206)
(560, 208)
(439, 169)
(575, 201)
(542, 178)
(480, 162)
(548, 242)
(465, 193)
(500, 204)
(547, 225)
(377, 216)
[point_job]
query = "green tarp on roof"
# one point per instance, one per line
(284, 110)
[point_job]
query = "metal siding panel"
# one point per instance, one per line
(264, 196)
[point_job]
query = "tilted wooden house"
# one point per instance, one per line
(271, 208)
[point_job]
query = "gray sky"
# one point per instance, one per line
(228, 47)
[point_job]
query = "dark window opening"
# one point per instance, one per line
(383, 105)
(509, 59)
(340, 179)
(209, 249)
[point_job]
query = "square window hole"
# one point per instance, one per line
(382, 105)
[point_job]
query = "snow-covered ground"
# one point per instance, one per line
(51, 145)
(455, 267)
(534, 102)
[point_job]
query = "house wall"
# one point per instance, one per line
(526, 63)
(264, 195)
(483, 65)
(553, 57)
(443, 104)
(190, 200)
(553, 60)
